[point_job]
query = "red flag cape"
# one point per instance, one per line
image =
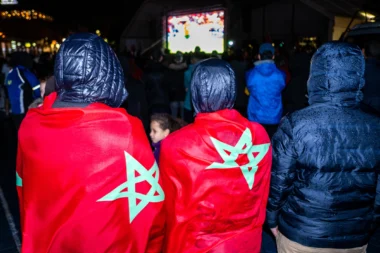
(87, 182)
(216, 175)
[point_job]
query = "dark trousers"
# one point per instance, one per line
(268, 243)
(17, 119)
(374, 242)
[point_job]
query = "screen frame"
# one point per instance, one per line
(191, 12)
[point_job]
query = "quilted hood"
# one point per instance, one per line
(213, 86)
(88, 71)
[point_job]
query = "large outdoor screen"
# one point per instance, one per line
(206, 30)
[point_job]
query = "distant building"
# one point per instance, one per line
(27, 30)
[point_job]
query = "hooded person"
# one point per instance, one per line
(215, 171)
(265, 83)
(86, 177)
(326, 158)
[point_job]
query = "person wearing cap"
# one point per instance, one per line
(265, 83)
(215, 171)
(325, 184)
(86, 177)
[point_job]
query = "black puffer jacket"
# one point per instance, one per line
(87, 71)
(327, 158)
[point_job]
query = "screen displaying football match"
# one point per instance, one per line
(206, 30)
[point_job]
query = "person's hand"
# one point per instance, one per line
(42, 88)
(274, 231)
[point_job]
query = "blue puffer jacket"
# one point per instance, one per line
(265, 83)
(85, 76)
(326, 158)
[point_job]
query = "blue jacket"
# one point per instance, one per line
(326, 158)
(20, 95)
(265, 83)
(85, 76)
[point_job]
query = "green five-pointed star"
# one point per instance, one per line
(151, 176)
(243, 147)
(18, 180)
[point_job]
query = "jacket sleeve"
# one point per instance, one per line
(283, 83)
(250, 76)
(34, 83)
(283, 171)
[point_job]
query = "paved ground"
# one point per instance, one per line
(9, 212)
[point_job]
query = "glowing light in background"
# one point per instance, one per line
(205, 30)
(25, 14)
(367, 15)
(8, 2)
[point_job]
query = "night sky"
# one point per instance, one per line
(111, 15)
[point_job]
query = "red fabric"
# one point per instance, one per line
(214, 210)
(68, 160)
(287, 73)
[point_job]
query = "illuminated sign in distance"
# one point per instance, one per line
(8, 2)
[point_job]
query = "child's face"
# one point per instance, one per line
(156, 132)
